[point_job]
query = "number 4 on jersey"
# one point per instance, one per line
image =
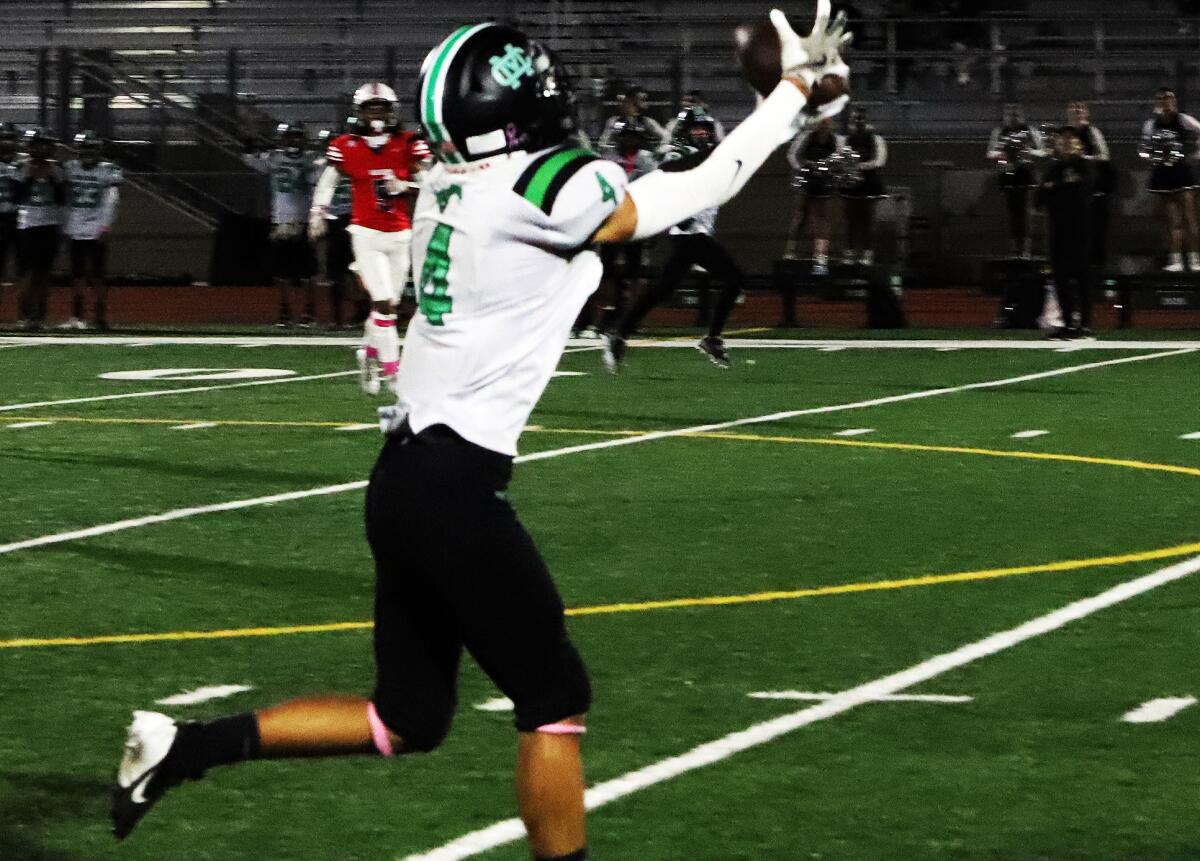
(433, 301)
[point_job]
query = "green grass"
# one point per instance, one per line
(1038, 765)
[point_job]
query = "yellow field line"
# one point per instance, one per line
(732, 332)
(644, 606)
(723, 600)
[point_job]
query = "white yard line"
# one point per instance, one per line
(855, 432)
(1156, 711)
(822, 696)
(23, 425)
(179, 514)
(1029, 434)
(511, 830)
(203, 695)
(4, 408)
(361, 426)
(496, 704)
(941, 345)
(1191, 435)
(194, 426)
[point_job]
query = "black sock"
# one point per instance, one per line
(581, 855)
(223, 741)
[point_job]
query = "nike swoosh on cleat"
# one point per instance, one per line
(137, 792)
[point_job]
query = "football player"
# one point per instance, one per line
(382, 163)
(10, 170)
(93, 194)
(692, 244)
(332, 230)
(290, 168)
(41, 192)
(505, 232)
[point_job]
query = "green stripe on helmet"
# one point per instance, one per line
(430, 115)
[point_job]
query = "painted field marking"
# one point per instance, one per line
(180, 391)
(1191, 435)
(303, 341)
(1156, 711)
(23, 425)
(496, 704)
(194, 426)
(511, 830)
(203, 695)
(822, 696)
(697, 430)
(622, 608)
(855, 432)
(1029, 434)
(835, 348)
(357, 426)
(195, 374)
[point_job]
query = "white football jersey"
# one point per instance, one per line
(91, 198)
(292, 182)
(9, 171)
(41, 206)
(502, 266)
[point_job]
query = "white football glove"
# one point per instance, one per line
(811, 57)
(317, 223)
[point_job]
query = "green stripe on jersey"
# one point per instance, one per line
(535, 183)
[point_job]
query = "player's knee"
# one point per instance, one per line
(420, 726)
(566, 694)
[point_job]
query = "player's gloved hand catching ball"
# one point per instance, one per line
(771, 50)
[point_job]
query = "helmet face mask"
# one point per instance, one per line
(291, 138)
(40, 144)
(89, 147)
(490, 89)
(377, 110)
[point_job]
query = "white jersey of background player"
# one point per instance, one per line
(291, 173)
(506, 221)
(94, 195)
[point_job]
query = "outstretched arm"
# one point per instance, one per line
(659, 200)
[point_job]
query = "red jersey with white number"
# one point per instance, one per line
(369, 168)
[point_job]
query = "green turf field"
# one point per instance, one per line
(774, 556)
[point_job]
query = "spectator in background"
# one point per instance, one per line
(1014, 147)
(864, 189)
(94, 194)
(810, 156)
(633, 145)
(634, 104)
(965, 34)
(41, 192)
(1104, 178)
(1065, 194)
(1171, 143)
(10, 171)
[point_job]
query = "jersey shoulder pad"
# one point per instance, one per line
(544, 178)
(339, 146)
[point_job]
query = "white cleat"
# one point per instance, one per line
(139, 782)
(368, 371)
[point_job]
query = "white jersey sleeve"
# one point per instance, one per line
(567, 196)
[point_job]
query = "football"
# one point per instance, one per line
(758, 49)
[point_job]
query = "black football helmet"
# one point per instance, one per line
(695, 128)
(490, 89)
(40, 144)
(291, 137)
(89, 145)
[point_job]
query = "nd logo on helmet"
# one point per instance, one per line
(510, 68)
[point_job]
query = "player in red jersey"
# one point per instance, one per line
(381, 162)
